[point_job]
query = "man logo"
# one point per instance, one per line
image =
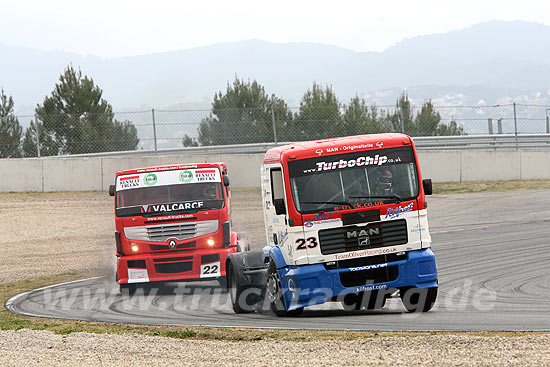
(319, 151)
(364, 241)
(172, 244)
(363, 233)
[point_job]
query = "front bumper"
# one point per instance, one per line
(201, 264)
(314, 284)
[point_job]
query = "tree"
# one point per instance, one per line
(402, 119)
(451, 129)
(427, 120)
(243, 114)
(189, 141)
(10, 129)
(319, 115)
(360, 119)
(48, 145)
(79, 120)
(426, 123)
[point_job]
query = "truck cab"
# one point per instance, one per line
(346, 220)
(172, 223)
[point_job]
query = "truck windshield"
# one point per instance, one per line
(169, 191)
(353, 180)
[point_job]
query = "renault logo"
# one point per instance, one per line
(172, 244)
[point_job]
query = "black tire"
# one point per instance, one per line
(275, 294)
(418, 300)
(239, 300)
(128, 288)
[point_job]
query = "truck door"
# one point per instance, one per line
(276, 209)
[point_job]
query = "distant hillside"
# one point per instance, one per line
(488, 62)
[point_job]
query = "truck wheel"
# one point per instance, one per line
(275, 294)
(236, 288)
(129, 288)
(418, 300)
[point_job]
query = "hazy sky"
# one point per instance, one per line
(122, 27)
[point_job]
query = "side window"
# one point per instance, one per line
(277, 191)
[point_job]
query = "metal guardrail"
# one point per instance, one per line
(461, 142)
(497, 141)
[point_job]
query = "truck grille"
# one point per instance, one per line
(178, 231)
(354, 238)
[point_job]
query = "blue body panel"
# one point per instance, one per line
(308, 285)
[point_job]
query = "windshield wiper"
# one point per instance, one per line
(327, 202)
(396, 197)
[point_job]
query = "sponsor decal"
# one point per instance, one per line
(167, 217)
(319, 151)
(129, 182)
(205, 175)
(282, 237)
(321, 222)
(150, 179)
(357, 146)
(379, 144)
(376, 251)
(359, 205)
(369, 267)
(342, 163)
(418, 228)
(176, 206)
(186, 176)
(346, 158)
(368, 288)
(396, 212)
(322, 216)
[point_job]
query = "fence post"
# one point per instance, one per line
(490, 122)
(402, 119)
(273, 119)
(499, 125)
(547, 121)
(516, 126)
(37, 135)
(154, 129)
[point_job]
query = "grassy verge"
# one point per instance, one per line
(9, 321)
(486, 186)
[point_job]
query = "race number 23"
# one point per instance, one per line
(305, 243)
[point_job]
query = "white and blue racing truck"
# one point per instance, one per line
(346, 221)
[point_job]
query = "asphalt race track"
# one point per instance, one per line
(493, 257)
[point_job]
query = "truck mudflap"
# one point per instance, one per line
(314, 284)
(196, 265)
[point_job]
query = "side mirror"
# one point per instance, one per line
(279, 205)
(427, 184)
(112, 190)
(225, 180)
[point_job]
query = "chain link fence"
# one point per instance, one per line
(154, 130)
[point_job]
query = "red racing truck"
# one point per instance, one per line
(173, 223)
